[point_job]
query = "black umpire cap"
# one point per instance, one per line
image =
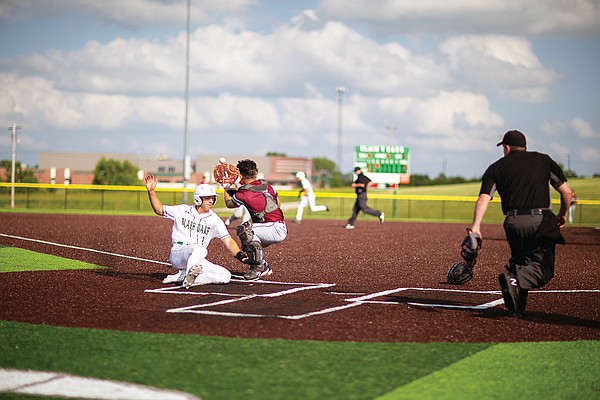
(513, 138)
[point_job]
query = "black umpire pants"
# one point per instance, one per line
(532, 259)
(361, 205)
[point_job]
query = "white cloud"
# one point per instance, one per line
(583, 129)
(451, 16)
(590, 154)
(505, 63)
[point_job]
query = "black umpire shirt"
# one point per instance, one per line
(521, 178)
(362, 178)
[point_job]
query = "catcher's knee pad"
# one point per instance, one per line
(244, 232)
(254, 250)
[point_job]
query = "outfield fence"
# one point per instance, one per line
(134, 199)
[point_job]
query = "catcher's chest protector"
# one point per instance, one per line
(271, 204)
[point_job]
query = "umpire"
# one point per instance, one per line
(532, 230)
(360, 185)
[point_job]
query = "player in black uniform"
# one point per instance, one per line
(360, 185)
(521, 178)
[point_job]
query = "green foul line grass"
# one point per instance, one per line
(20, 260)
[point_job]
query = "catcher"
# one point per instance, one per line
(461, 272)
(266, 225)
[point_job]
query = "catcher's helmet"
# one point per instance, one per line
(300, 175)
(204, 190)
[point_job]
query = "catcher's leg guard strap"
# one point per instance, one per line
(244, 232)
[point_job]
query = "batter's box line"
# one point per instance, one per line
(368, 298)
(196, 308)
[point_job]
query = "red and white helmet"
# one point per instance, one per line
(204, 190)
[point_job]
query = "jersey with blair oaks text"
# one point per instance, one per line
(522, 178)
(191, 227)
(256, 202)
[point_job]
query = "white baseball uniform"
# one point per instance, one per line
(191, 234)
(309, 199)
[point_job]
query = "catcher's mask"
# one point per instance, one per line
(204, 190)
(460, 273)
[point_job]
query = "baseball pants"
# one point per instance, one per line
(186, 256)
(309, 201)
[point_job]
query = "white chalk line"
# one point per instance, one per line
(354, 302)
(82, 248)
(195, 309)
(56, 384)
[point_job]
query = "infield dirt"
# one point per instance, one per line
(379, 282)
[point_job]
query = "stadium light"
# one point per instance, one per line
(340, 91)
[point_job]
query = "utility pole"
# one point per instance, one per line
(186, 157)
(13, 128)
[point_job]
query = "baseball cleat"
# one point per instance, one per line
(381, 217)
(349, 226)
(191, 276)
(175, 278)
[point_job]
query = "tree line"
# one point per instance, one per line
(124, 173)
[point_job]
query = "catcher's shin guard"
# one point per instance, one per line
(254, 251)
(252, 247)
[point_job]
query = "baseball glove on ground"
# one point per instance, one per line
(461, 272)
(225, 173)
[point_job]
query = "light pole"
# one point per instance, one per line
(390, 129)
(13, 128)
(186, 157)
(340, 91)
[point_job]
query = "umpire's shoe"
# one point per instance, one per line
(511, 293)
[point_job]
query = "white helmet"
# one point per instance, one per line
(204, 190)
(300, 175)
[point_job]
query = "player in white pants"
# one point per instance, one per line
(238, 213)
(193, 228)
(308, 198)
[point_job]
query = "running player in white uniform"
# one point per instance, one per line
(193, 228)
(308, 198)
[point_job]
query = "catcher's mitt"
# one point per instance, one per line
(225, 173)
(461, 272)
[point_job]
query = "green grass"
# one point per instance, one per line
(19, 260)
(549, 370)
(225, 368)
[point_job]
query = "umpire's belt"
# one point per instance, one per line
(533, 211)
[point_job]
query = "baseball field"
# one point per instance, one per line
(362, 314)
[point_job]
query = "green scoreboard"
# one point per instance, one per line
(384, 164)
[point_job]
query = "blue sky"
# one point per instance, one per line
(452, 76)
